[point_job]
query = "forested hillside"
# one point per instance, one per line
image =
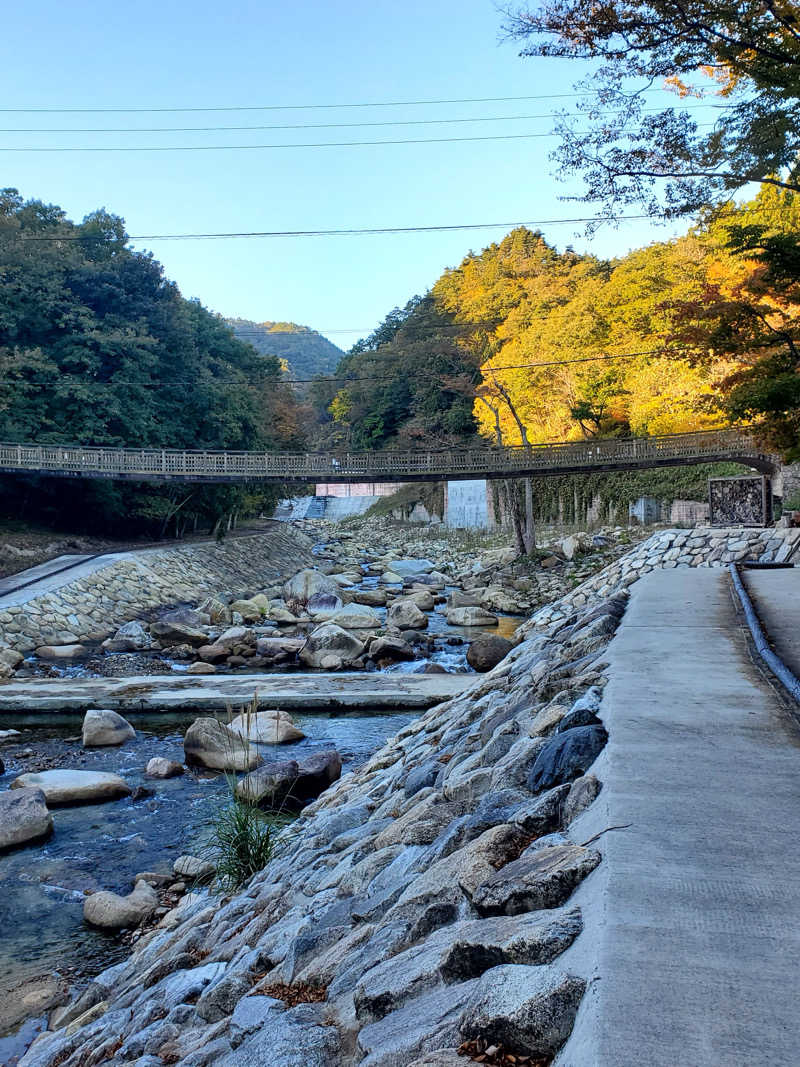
(523, 342)
(305, 351)
(98, 347)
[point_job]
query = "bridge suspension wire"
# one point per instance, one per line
(332, 233)
(161, 383)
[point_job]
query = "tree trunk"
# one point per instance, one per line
(529, 539)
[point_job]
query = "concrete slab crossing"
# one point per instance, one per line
(692, 938)
(776, 598)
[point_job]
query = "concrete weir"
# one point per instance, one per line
(317, 692)
(692, 920)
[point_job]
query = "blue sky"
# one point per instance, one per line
(176, 54)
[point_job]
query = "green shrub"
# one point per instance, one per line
(242, 843)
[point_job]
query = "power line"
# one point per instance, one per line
(321, 125)
(329, 233)
(278, 107)
(183, 383)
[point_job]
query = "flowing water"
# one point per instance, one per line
(102, 846)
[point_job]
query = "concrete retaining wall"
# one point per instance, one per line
(132, 585)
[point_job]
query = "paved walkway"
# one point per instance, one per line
(181, 692)
(693, 918)
(776, 597)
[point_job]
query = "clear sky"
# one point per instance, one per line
(245, 53)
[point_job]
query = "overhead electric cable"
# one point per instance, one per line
(323, 380)
(328, 233)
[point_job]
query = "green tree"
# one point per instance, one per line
(744, 53)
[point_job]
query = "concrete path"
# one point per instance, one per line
(50, 576)
(692, 939)
(181, 692)
(35, 574)
(776, 598)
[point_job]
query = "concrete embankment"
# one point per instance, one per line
(692, 922)
(102, 593)
(318, 692)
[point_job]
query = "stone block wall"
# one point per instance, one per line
(135, 584)
(700, 547)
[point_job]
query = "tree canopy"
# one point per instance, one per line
(98, 347)
(742, 55)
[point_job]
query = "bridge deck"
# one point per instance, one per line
(155, 464)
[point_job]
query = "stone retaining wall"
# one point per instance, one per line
(700, 547)
(133, 585)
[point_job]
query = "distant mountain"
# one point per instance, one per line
(305, 351)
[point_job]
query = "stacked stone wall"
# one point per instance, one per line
(134, 585)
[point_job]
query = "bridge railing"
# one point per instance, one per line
(328, 466)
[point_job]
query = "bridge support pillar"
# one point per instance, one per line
(787, 484)
(467, 505)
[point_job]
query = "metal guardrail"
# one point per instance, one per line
(491, 461)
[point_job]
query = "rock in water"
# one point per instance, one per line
(267, 727)
(160, 767)
(405, 615)
(102, 727)
(112, 912)
(61, 651)
(330, 640)
(74, 787)
(409, 567)
(193, 868)
(289, 781)
(23, 817)
(212, 744)
(307, 584)
(486, 651)
(178, 633)
(470, 617)
(356, 618)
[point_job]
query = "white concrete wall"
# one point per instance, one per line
(466, 505)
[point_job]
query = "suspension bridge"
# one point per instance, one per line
(448, 464)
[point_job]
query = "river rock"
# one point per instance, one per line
(267, 727)
(102, 727)
(193, 868)
(565, 756)
(391, 578)
(356, 618)
(572, 545)
(290, 781)
(371, 598)
(323, 606)
(307, 584)
(541, 878)
(201, 668)
(390, 650)
(9, 657)
(56, 652)
(217, 610)
(74, 787)
(332, 641)
(212, 744)
(404, 614)
(9, 735)
(470, 617)
(423, 598)
(252, 610)
(112, 912)
(177, 633)
(486, 651)
(410, 567)
(132, 637)
(23, 817)
(522, 1007)
(160, 767)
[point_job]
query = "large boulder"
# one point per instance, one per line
(252, 610)
(59, 652)
(371, 598)
(523, 1007)
(112, 912)
(9, 657)
(291, 782)
(566, 756)
(307, 584)
(23, 817)
(102, 727)
(178, 633)
(278, 649)
(323, 606)
(330, 642)
(573, 544)
(470, 617)
(404, 614)
(217, 610)
(356, 617)
(385, 650)
(266, 727)
(132, 637)
(210, 743)
(407, 568)
(74, 787)
(486, 651)
(542, 877)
